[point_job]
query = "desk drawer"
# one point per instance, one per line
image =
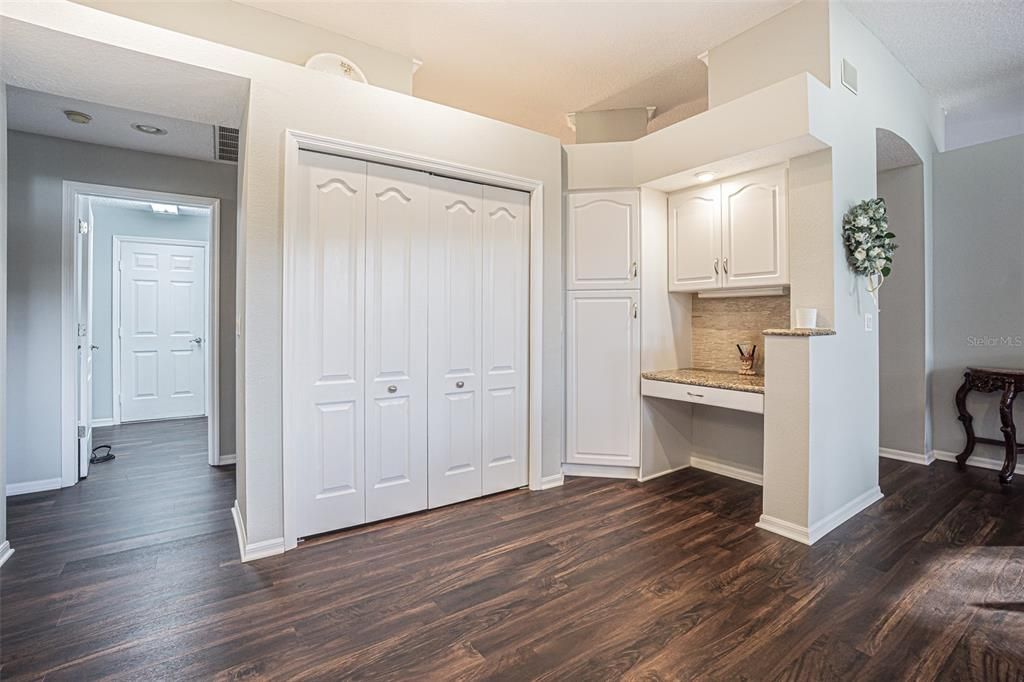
(704, 395)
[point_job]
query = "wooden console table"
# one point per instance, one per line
(987, 380)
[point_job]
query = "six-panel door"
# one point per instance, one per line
(754, 229)
(603, 393)
(695, 239)
(604, 240)
(162, 328)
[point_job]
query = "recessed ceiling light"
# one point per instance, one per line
(148, 129)
(77, 117)
(166, 209)
(706, 176)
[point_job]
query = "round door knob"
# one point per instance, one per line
(460, 384)
(392, 388)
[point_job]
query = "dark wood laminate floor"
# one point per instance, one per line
(135, 575)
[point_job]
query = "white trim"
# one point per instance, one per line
(106, 421)
(976, 460)
(817, 531)
(227, 459)
(33, 486)
(600, 471)
(69, 448)
(5, 552)
(552, 481)
(666, 472)
(256, 550)
(296, 140)
(905, 456)
(730, 470)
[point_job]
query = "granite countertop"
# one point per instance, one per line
(800, 331)
(712, 378)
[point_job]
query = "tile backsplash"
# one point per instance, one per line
(720, 323)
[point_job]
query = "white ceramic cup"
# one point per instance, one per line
(806, 318)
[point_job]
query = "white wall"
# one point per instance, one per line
(979, 282)
(109, 221)
(903, 386)
(286, 96)
(38, 166)
(3, 312)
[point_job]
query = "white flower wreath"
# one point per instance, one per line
(869, 243)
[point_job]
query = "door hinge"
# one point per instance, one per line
(81, 432)
(81, 329)
(83, 227)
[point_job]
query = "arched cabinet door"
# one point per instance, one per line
(755, 248)
(604, 240)
(695, 239)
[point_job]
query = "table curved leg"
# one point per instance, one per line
(1009, 432)
(966, 419)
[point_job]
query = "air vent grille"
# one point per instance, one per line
(227, 144)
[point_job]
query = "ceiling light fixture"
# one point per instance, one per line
(706, 176)
(166, 209)
(148, 129)
(77, 117)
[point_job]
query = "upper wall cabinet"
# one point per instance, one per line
(604, 240)
(730, 235)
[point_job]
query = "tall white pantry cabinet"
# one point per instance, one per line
(603, 331)
(407, 321)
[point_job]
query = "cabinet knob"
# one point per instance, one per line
(392, 388)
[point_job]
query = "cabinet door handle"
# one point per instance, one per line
(636, 309)
(725, 265)
(695, 395)
(716, 266)
(635, 270)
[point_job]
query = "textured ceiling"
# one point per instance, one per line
(892, 151)
(43, 114)
(961, 51)
(531, 63)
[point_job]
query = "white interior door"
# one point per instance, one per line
(325, 308)
(506, 264)
(162, 329)
(397, 240)
(695, 239)
(455, 341)
(84, 308)
(603, 409)
(754, 229)
(604, 240)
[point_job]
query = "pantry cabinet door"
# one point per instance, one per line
(397, 235)
(755, 244)
(695, 239)
(604, 240)
(603, 393)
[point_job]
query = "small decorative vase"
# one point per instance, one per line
(747, 354)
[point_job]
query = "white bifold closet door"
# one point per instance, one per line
(478, 325)
(408, 322)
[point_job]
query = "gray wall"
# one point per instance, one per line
(901, 316)
(37, 166)
(124, 222)
(3, 311)
(979, 280)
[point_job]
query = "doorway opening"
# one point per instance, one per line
(141, 325)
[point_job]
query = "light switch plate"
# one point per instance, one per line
(869, 322)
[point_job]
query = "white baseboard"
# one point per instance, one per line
(817, 531)
(256, 550)
(600, 471)
(976, 460)
(666, 472)
(552, 481)
(5, 552)
(32, 486)
(228, 459)
(905, 456)
(107, 421)
(719, 467)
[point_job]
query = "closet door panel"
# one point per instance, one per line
(397, 230)
(506, 233)
(325, 405)
(456, 215)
